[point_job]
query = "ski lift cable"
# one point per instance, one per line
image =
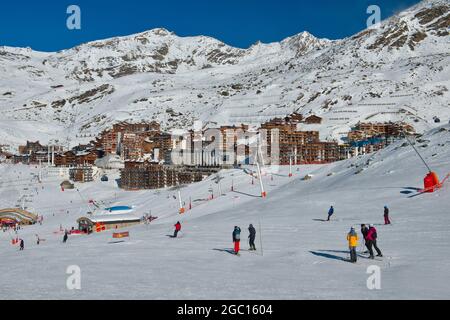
(415, 149)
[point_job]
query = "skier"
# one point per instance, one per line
(386, 215)
(330, 213)
(252, 237)
(236, 239)
(364, 231)
(65, 237)
(22, 245)
(352, 238)
(177, 229)
(372, 241)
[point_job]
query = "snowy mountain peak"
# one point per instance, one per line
(398, 72)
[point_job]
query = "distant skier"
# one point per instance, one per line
(22, 245)
(251, 237)
(352, 238)
(177, 229)
(371, 240)
(236, 239)
(330, 213)
(386, 215)
(66, 236)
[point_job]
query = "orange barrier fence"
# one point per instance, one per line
(120, 235)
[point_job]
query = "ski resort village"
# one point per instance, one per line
(154, 166)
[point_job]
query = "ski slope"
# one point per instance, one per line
(301, 256)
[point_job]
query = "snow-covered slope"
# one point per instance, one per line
(300, 256)
(397, 72)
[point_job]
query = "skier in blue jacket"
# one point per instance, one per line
(330, 213)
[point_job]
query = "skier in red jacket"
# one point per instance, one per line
(386, 215)
(177, 229)
(371, 241)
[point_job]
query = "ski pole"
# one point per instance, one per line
(260, 238)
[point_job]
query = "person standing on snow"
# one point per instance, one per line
(236, 239)
(65, 237)
(177, 229)
(22, 245)
(251, 237)
(352, 238)
(386, 215)
(372, 241)
(330, 213)
(364, 231)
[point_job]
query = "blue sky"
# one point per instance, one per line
(41, 24)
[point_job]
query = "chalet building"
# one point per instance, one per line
(132, 146)
(109, 141)
(373, 136)
(83, 147)
(300, 147)
(71, 158)
(386, 129)
(32, 147)
(5, 156)
(87, 157)
(139, 175)
(126, 127)
(235, 149)
(112, 141)
(280, 124)
(148, 152)
(98, 223)
(65, 159)
(313, 119)
(40, 157)
(81, 174)
(209, 148)
(294, 118)
(160, 146)
(21, 159)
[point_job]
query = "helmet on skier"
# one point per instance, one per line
(371, 225)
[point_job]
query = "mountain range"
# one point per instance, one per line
(398, 71)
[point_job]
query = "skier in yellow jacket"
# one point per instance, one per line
(352, 238)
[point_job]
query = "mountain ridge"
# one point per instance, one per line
(156, 75)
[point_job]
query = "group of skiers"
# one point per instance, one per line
(6, 227)
(370, 241)
(370, 238)
(369, 234)
(385, 215)
(236, 236)
(39, 240)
